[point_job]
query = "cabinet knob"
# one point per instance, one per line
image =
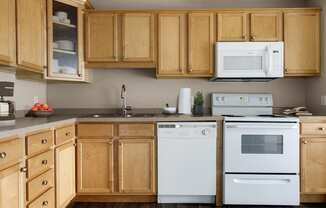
(44, 162)
(285, 69)
(23, 170)
(45, 203)
(68, 134)
(44, 141)
(322, 128)
(3, 155)
(45, 182)
(253, 37)
(243, 37)
(305, 142)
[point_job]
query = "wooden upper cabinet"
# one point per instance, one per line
(11, 187)
(31, 34)
(266, 26)
(94, 166)
(101, 37)
(313, 165)
(137, 166)
(7, 32)
(138, 37)
(232, 27)
(65, 174)
(302, 43)
(201, 40)
(172, 44)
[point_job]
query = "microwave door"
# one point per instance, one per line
(242, 63)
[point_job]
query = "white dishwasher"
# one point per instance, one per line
(186, 162)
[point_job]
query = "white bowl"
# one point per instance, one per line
(61, 15)
(66, 45)
(170, 110)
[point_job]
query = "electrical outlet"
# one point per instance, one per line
(323, 100)
(35, 99)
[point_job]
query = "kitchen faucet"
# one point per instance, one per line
(124, 107)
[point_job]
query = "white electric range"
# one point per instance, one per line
(260, 151)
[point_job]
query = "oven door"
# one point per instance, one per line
(261, 147)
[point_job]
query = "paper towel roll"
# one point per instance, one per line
(184, 104)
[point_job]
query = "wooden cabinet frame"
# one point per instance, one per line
(245, 27)
(80, 76)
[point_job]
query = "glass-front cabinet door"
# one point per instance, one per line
(65, 41)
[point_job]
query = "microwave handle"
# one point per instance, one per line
(270, 60)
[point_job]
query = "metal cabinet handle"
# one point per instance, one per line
(45, 203)
(44, 162)
(3, 155)
(44, 141)
(253, 37)
(321, 128)
(45, 182)
(305, 142)
(68, 134)
(23, 170)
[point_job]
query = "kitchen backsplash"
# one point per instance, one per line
(145, 91)
(25, 90)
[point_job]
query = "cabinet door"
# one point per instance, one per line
(7, 32)
(138, 37)
(302, 43)
(201, 42)
(232, 27)
(11, 187)
(31, 32)
(95, 166)
(136, 166)
(313, 165)
(65, 174)
(101, 37)
(266, 26)
(172, 44)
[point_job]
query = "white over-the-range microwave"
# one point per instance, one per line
(248, 61)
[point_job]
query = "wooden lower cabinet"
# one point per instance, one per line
(65, 174)
(136, 166)
(12, 187)
(95, 166)
(313, 165)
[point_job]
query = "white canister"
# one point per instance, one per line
(184, 102)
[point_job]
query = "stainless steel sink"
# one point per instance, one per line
(118, 115)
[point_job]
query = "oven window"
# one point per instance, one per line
(262, 144)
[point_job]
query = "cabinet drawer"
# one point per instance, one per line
(39, 142)
(64, 134)
(46, 200)
(11, 151)
(39, 184)
(313, 128)
(136, 130)
(95, 130)
(40, 163)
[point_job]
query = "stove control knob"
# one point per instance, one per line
(205, 132)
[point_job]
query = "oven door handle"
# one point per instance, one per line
(261, 181)
(238, 126)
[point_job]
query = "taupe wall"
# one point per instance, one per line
(25, 90)
(146, 91)
(316, 87)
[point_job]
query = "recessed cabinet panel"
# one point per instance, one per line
(302, 43)
(200, 43)
(95, 166)
(232, 27)
(266, 26)
(102, 37)
(136, 166)
(31, 34)
(172, 44)
(313, 165)
(138, 37)
(7, 32)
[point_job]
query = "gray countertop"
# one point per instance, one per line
(26, 125)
